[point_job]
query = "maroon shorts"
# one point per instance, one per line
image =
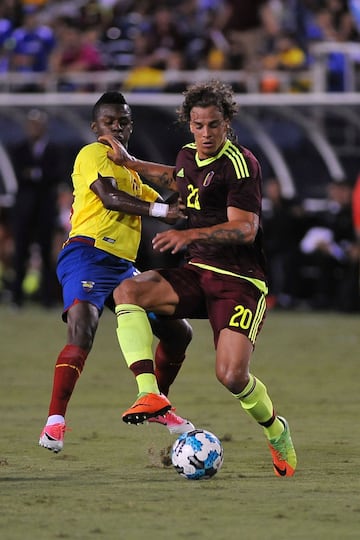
(227, 301)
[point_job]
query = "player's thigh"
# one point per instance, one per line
(235, 304)
(191, 298)
(150, 291)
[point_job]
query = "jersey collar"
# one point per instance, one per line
(207, 161)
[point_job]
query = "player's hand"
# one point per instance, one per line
(172, 239)
(117, 153)
(177, 209)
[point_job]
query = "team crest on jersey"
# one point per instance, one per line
(88, 285)
(181, 173)
(208, 178)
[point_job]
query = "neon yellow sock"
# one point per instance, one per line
(147, 383)
(134, 333)
(255, 400)
(135, 339)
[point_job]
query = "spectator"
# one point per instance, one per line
(144, 76)
(333, 22)
(161, 40)
(327, 248)
(30, 46)
(119, 36)
(246, 25)
(36, 163)
(6, 28)
(6, 251)
(286, 56)
(76, 51)
(194, 23)
(282, 222)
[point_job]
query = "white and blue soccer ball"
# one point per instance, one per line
(197, 454)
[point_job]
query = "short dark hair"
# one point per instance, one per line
(109, 98)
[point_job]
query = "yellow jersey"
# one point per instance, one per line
(112, 231)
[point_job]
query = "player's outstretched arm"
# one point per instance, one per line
(120, 201)
(159, 174)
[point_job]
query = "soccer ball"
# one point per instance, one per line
(197, 454)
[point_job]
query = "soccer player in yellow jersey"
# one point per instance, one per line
(99, 253)
(224, 277)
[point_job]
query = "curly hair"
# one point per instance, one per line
(205, 94)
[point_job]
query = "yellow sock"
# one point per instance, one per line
(255, 400)
(134, 333)
(147, 383)
(135, 339)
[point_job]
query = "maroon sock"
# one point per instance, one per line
(167, 366)
(142, 366)
(68, 368)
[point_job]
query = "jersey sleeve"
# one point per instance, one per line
(245, 192)
(149, 194)
(92, 160)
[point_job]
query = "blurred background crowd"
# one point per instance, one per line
(146, 40)
(144, 46)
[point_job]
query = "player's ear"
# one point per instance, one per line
(94, 127)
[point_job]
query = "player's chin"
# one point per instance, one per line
(208, 150)
(104, 141)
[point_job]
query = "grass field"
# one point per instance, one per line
(109, 482)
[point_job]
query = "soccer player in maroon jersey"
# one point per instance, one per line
(224, 277)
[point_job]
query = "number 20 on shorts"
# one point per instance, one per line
(241, 318)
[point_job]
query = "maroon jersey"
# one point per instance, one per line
(208, 187)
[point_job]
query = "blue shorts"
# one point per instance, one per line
(88, 274)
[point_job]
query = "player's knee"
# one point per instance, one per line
(180, 338)
(186, 332)
(234, 378)
(125, 293)
(81, 334)
(82, 338)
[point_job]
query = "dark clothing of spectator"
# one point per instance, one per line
(326, 254)
(282, 224)
(37, 167)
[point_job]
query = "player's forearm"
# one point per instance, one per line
(224, 233)
(127, 204)
(157, 173)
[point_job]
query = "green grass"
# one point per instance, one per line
(109, 482)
